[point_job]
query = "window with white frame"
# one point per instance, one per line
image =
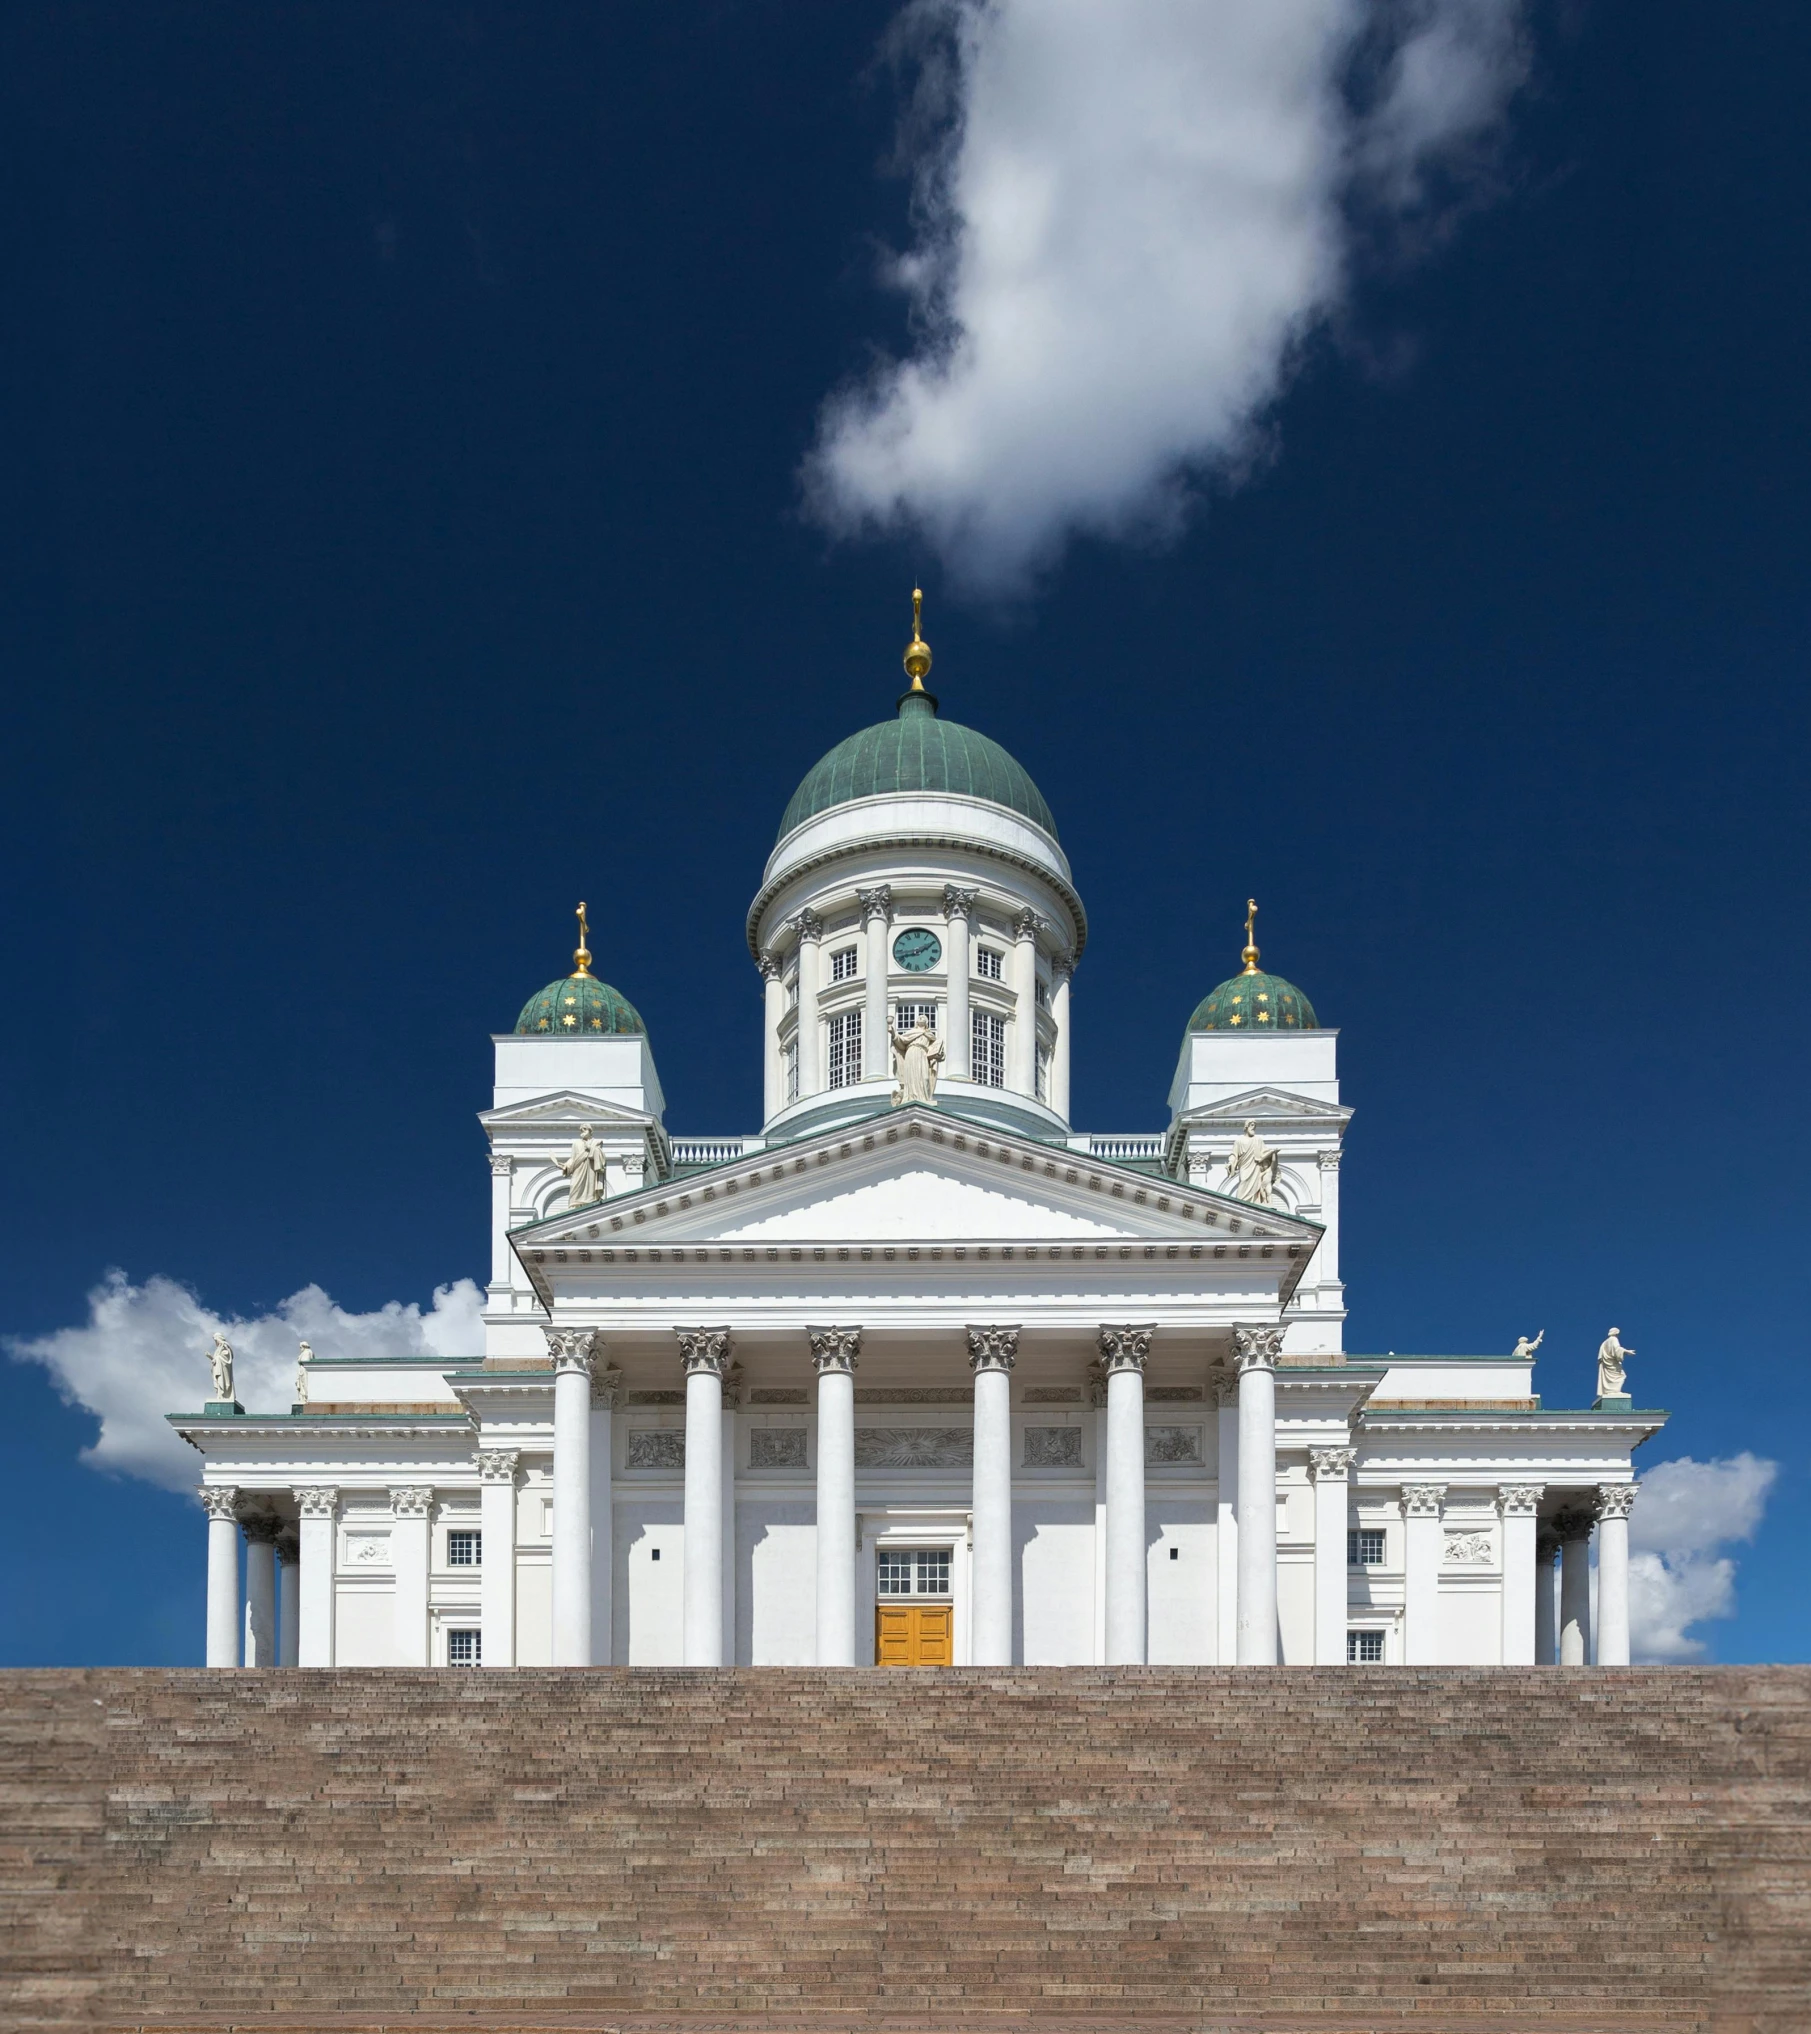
(987, 1049)
(464, 1550)
(1040, 994)
(792, 1071)
(842, 964)
(465, 1648)
(1364, 1547)
(1043, 1075)
(845, 1049)
(906, 1015)
(988, 963)
(1364, 1648)
(913, 1571)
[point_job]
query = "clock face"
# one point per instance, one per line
(917, 948)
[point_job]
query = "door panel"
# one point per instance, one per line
(914, 1635)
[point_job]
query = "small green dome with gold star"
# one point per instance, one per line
(1254, 1000)
(579, 1005)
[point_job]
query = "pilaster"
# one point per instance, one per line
(1330, 1472)
(411, 1528)
(1518, 1505)
(498, 1475)
(1423, 1545)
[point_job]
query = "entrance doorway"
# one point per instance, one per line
(914, 1619)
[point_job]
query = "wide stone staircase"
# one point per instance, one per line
(1301, 1849)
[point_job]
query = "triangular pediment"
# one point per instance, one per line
(564, 1110)
(1270, 1105)
(918, 1177)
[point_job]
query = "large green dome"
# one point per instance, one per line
(579, 1006)
(917, 752)
(1254, 1001)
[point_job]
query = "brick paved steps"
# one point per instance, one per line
(1625, 1850)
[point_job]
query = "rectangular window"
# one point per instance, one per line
(913, 1571)
(1364, 1648)
(465, 1550)
(1041, 995)
(987, 1049)
(1364, 1547)
(988, 963)
(842, 964)
(906, 1015)
(1043, 1077)
(792, 1071)
(465, 1648)
(845, 1049)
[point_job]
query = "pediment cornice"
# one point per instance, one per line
(564, 1110)
(1277, 1107)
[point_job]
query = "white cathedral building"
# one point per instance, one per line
(919, 1374)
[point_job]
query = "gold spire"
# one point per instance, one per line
(918, 651)
(583, 956)
(1250, 955)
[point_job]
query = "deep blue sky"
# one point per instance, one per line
(400, 411)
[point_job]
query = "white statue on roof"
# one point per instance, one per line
(583, 1165)
(1523, 1352)
(220, 1356)
(917, 1054)
(1610, 1373)
(1251, 1169)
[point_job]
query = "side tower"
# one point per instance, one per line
(576, 1116)
(916, 882)
(1255, 1110)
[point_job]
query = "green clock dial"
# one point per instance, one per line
(917, 948)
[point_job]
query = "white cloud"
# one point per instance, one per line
(142, 1353)
(1685, 1513)
(1128, 218)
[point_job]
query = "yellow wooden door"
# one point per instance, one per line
(913, 1635)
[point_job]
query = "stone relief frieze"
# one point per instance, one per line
(657, 1448)
(777, 1448)
(1468, 1549)
(914, 1447)
(1168, 1445)
(1053, 1447)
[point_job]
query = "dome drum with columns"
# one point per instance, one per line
(917, 1372)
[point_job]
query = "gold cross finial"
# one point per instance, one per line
(583, 955)
(918, 651)
(1250, 955)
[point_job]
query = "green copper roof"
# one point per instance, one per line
(579, 1006)
(1254, 1002)
(917, 752)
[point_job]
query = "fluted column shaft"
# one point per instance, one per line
(1123, 1353)
(833, 1353)
(1614, 1503)
(992, 1354)
(571, 1351)
(1256, 1351)
(704, 1352)
(223, 1575)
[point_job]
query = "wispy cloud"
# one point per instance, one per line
(1127, 219)
(142, 1353)
(1686, 1513)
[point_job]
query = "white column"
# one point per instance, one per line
(1255, 1350)
(502, 1258)
(1097, 1398)
(1225, 1385)
(220, 1502)
(289, 1612)
(1574, 1529)
(1422, 1546)
(1326, 1260)
(876, 916)
(411, 1526)
(606, 1403)
(497, 1470)
(1331, 1471)
(1123, 1353)
(1546, 1615)
(1614, 1503)
(773, 1068)
(1022, 1040)
(571, 1351)
(992, 1352)
(726, 1456)
(260, 1589)
(705, 1354)
(833, 1355)
(1061, 970)
(810, 928)
(318, 1504)
(1519, 1506)
(958, 917)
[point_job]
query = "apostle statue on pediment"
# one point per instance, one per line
(583, 1165)
(1251, 1169)
(917, 1054)
(1612, 1381)
(220, 1360)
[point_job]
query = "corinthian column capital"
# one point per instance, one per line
(1124, 1348)
(877, 902)
(834, 1350)
(220, 1500)
(958, 902)
(704, 1350)
(1616, 1500)
(1256, 1348)
(570, 1349)
(992, 1348)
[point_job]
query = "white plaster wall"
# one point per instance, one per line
(1181, 1599)
(1470, 1630)
(776, 1582)
(1055, 1554)
(534, 1610)
(619, 1070)
(364, 1629)
(646, 1596)
(1295, 1606)
(1216, 1065)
